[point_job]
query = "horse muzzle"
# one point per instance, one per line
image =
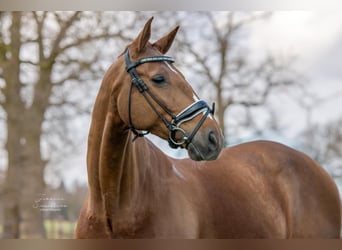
(179, 137)
(202, 143)
(206, 145)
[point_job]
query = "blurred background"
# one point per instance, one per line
(273, 75)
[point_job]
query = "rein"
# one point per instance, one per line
(187, 114)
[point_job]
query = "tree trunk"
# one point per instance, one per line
(10, 199)
(24, 179)
(14, 108)
(32, 224)
(220, 111)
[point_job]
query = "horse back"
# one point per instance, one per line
(265, 189)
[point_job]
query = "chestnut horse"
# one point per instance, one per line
(254, 190)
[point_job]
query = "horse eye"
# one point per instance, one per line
(158, 79)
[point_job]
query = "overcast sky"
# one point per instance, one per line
(316, 39)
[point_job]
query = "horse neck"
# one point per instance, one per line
(119, 171)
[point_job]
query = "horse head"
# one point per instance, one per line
(154, 96)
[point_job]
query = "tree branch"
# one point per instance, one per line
(89, 38)
(251, 19)
(29, 62)
(40, 23)
(65, 25)
(76, 75)
(202, 61)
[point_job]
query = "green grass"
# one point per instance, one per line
(59, 229)
(56, 229)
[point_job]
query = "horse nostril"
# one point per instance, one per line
(212, 141)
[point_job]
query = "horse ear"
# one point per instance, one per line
(164, 43)
(141, 40)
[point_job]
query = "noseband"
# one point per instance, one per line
(187, 114)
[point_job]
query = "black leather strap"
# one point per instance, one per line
(187, 114)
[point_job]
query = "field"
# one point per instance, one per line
(57, 229)
(62, 229)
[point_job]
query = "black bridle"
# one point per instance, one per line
(187, 114)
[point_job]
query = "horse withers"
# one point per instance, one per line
(253, 190)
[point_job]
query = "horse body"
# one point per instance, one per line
(253, 190)
(264, 189)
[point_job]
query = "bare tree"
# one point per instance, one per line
(43, 57)
(214, 54)
(323, 142)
